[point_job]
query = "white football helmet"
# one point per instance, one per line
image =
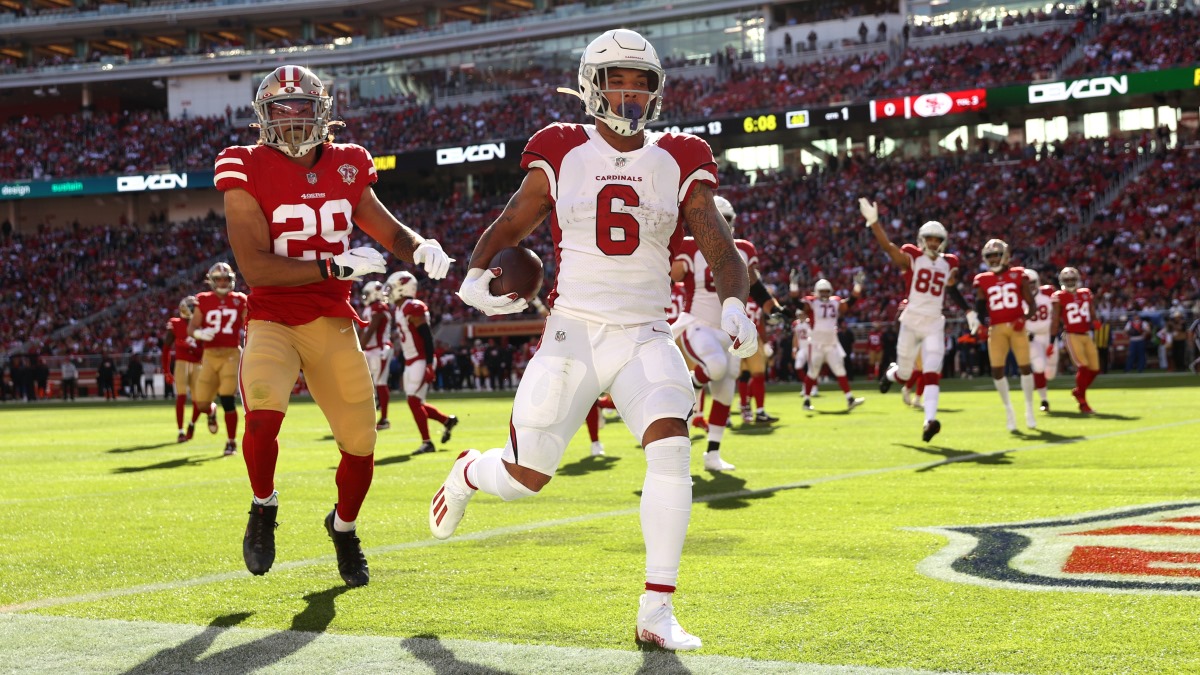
(620, 48)
(995, 247)
(823, 289)
(372, 291)
(932, 229)
(1068, 279)
(221, 278)
(401, 285)
(725, 208)
(187, 306)
(293, 110)
(1033, 277)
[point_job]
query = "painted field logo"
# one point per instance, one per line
(1143, 549)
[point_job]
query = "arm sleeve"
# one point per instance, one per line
(427, 336)
(956, 295)
(760, 294)
(981, 310)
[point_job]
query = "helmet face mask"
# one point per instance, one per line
(823, 289)
(995, 255)
(1068, 279)
(293, 110)
(372, 292)
(603, 71)
(221, 278)
(932, 229)
(187, 306)
(400, 285)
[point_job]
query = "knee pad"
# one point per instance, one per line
(228, 403)
(670, 458)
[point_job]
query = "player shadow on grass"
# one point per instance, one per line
(394, 459)
(429, 649)
(589, 464)
(723, 491)
(169, 464)
(266, 651)
(660, 662)
(1074, 414)
(138, 448)
(755, 429)
(952, 456)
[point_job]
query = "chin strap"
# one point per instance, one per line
(568, 90)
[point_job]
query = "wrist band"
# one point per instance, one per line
(326, 267)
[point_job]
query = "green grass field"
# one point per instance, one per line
(121, 551)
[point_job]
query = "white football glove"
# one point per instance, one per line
(475, 292)
(972, 321)
(205, 334)
(869, 209)
(357, 263)
(433, 258)
(739, 327)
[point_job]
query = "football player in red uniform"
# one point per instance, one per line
(186, 371)
(616, 196)
(376, 340)
(218, 322)
(999, 294)
(416, 346)
(292, 200)
(1073, 309)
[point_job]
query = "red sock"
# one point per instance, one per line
(593, 422)
(743, 392)
(231, 421)
(719, 415)
(354, 475)
(1039, 380)
(700, 404)
(808, 385)
(195, 412)
(912, 381)
(434, 414)
(418, 411)
(920, 384)
(260, 449)
(382, 392)
(1089, 377)
(606, 402)
(758, 389)
(180, 401)
(1081, 380)
(844, 384)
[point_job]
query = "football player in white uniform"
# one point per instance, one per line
(823, 309)
(930, 274)
(616, 195)
(699, 333)
(416, 346)
(1043, 355)
(376, 340)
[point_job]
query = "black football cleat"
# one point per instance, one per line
(884, 384)
(451, 422)
(765, 418)
(258, 544)
(932, 427)
(1045, 406)
(426, 447)
(352, 564)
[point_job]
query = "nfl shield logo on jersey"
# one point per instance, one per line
(560, 335)
(620, 162)
(349, 172)
(311, 177)
(1140, 549)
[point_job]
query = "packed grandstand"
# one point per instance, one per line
(1107, 182)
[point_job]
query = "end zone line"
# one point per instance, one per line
(526, 527)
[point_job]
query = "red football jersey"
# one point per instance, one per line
(225, 313)
(309, 214)
(875, 341)
(186, 348)
(1074, 310)
(1004, 294)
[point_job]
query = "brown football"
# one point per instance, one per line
(522, 272)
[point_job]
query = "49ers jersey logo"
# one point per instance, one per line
(1142, 549)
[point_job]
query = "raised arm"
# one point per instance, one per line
(870, 212)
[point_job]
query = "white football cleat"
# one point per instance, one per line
(1011, 422)
(597, 449)
(852, 403)
(1030, 420)
(657, 627)
(713, 462)
(450, 503)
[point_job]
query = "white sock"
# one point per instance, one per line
(340, 525)
(666, 507)
(716, 432)
(931, 401)
(1027, 389)
(489, 475)
(273, 500)
(1002, 387)
(762, 411)
(1042, 393)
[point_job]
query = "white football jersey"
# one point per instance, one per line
(823, 315)
(700, 290)
(1043, 298)
(926, 281)
(616, 218)
(411, 345)
(802, 330)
